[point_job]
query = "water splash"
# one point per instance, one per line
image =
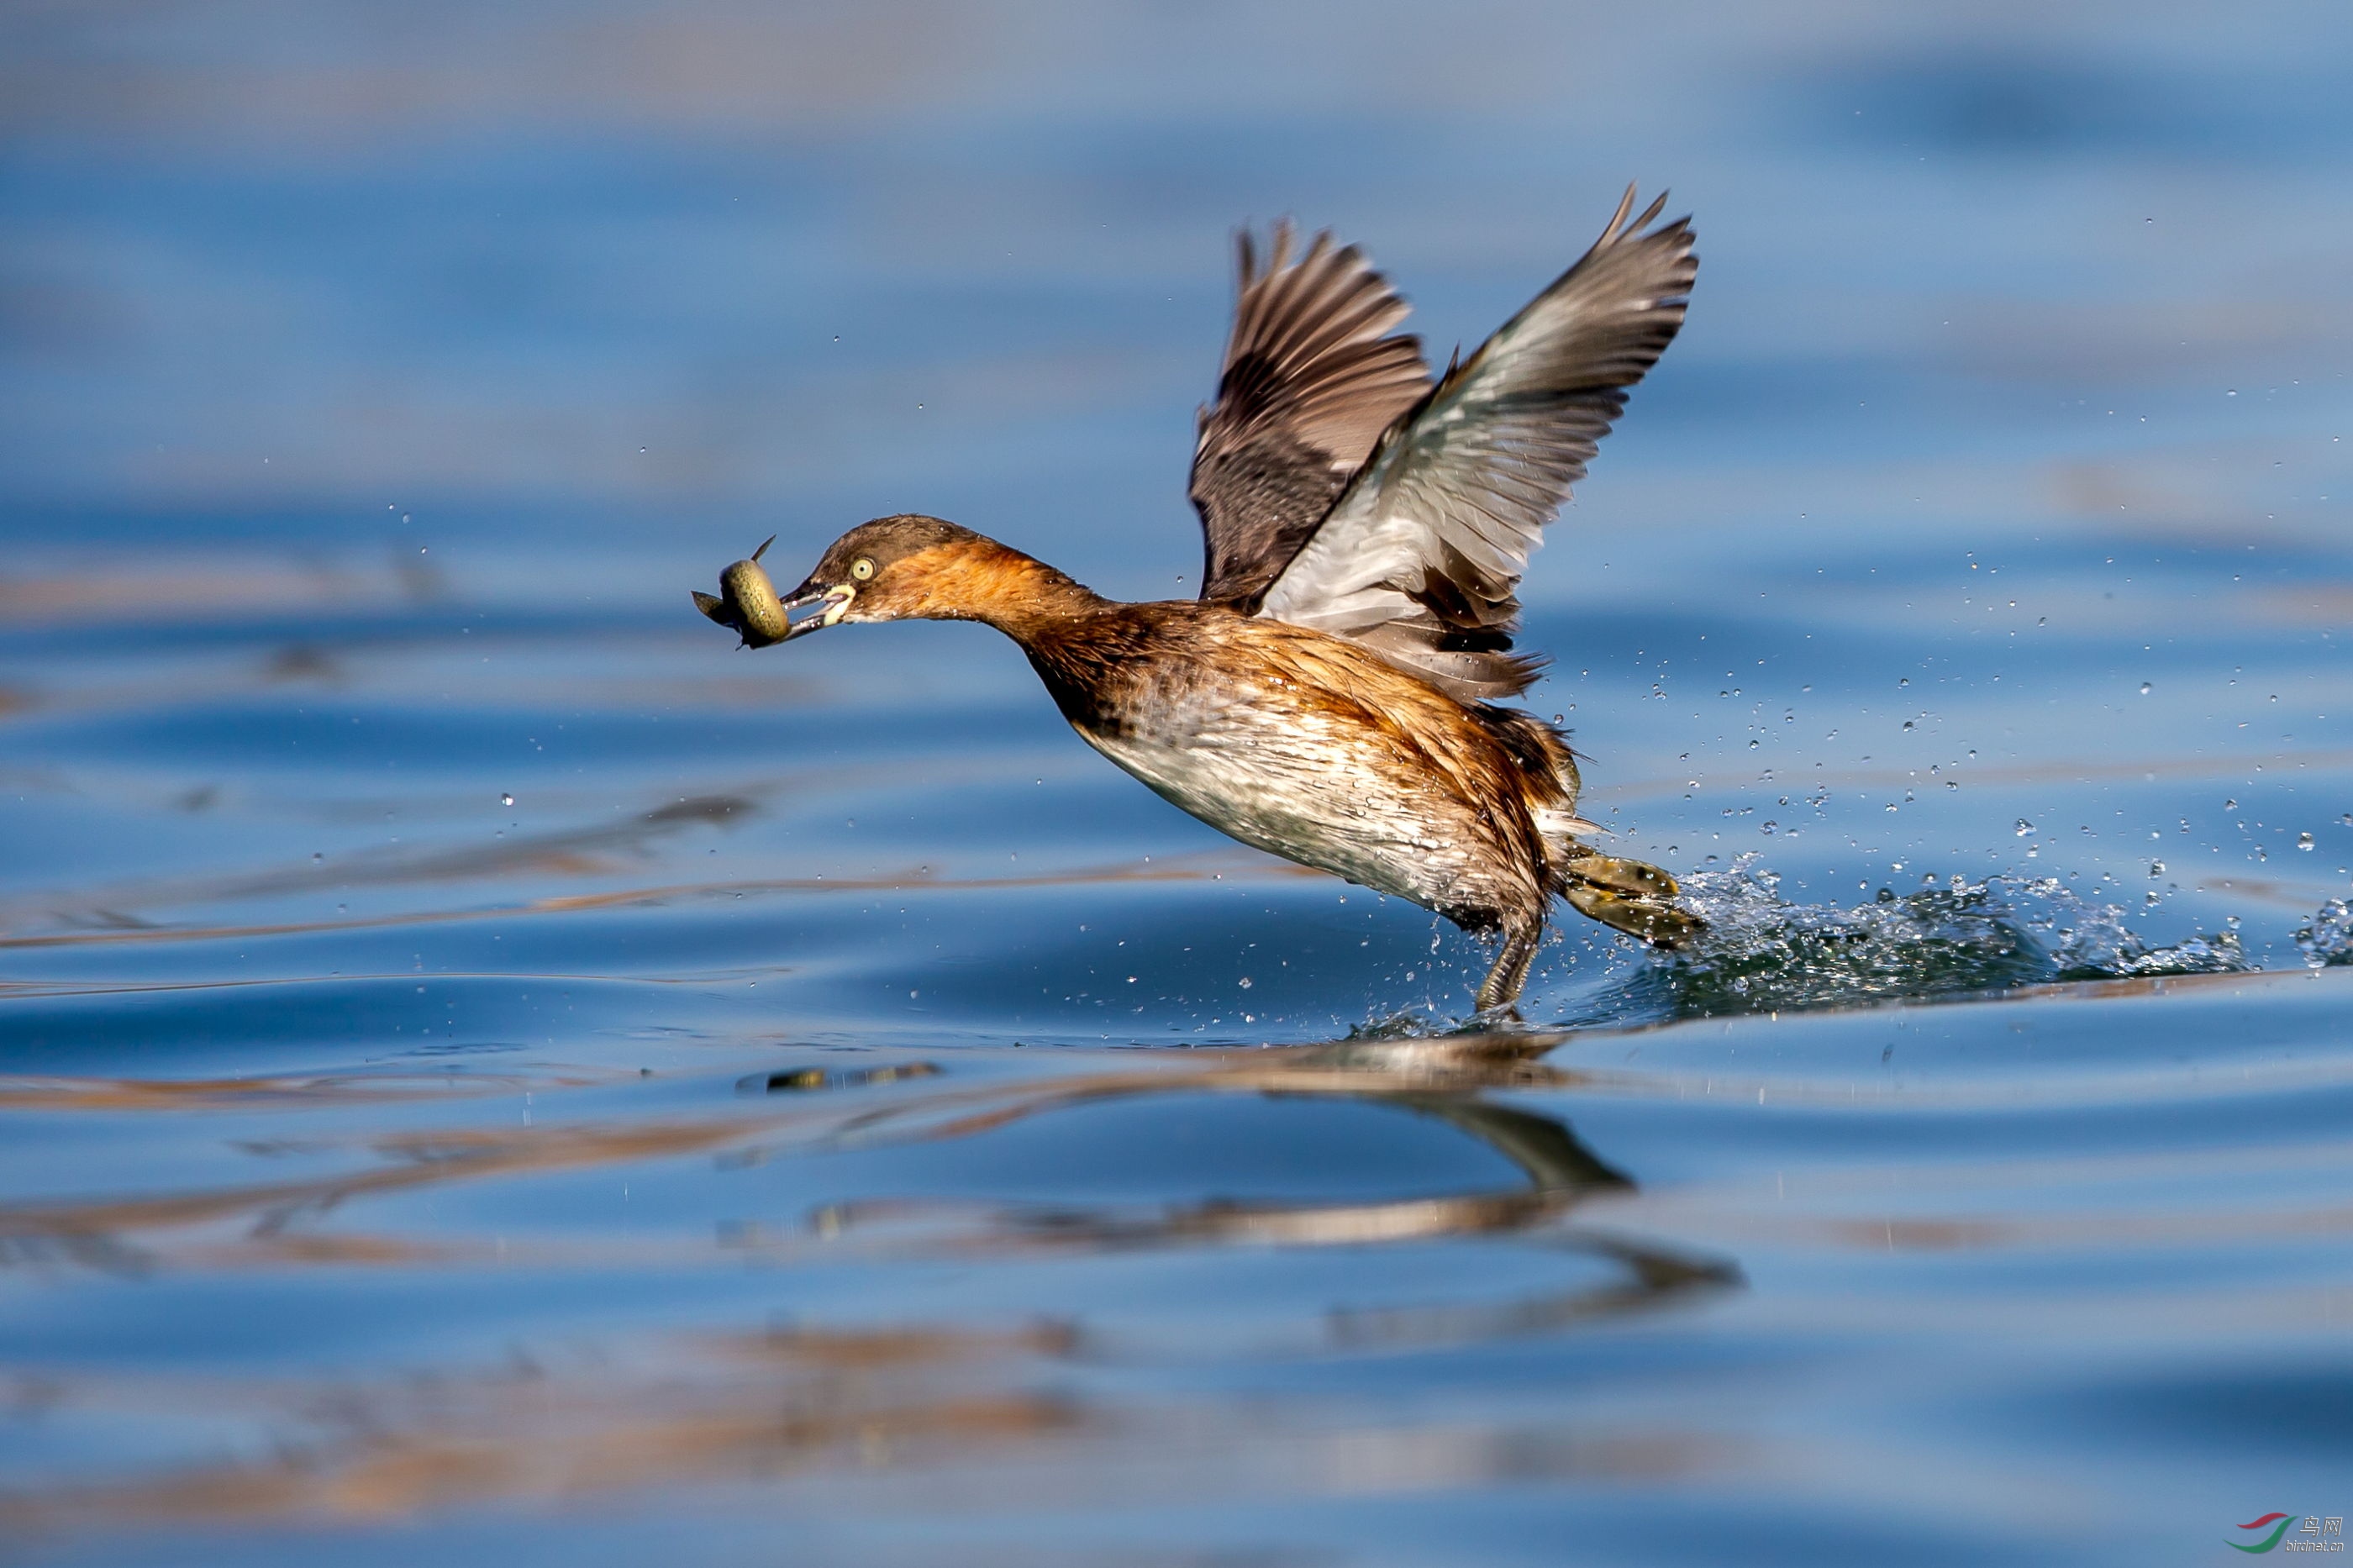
(1764, 953)
(2327, 942)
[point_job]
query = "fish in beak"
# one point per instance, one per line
(747, 603)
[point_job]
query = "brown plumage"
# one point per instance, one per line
(1309, 384)
(1325, 698)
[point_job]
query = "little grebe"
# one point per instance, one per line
(1327, 696)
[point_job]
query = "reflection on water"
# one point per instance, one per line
(571, 852)
(488, 1072)
(731, 1407)
(952, 1267)
(1437, 1079)
(793, 1412)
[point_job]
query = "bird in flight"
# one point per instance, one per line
(1334, 694)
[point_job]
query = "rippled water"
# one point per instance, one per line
(489, 1070)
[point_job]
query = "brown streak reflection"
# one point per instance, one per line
(2075, 1231)
(2056, 771)
(194, 587)
(740, 1408)
(2302, 897)
(54, 988)
(245, 1093)
(816, 1408)
(1214, 865)
(572, 852)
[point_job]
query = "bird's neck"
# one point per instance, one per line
(981, 579)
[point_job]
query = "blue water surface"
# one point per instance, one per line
(490, 1072)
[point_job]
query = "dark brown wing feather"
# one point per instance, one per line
(1420, 557)
(1310, 382)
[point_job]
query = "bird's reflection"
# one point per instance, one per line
(672, 1408)
(1444, 1080)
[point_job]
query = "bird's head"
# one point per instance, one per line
(893, 568)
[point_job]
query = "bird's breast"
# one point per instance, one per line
(1291, 776)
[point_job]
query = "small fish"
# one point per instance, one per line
(747, 602)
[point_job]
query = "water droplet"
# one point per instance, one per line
(2157, 867)
(1909, 725)
(1906, 680)
(2304, 842)
(506, 800)
(1246, 982)
(2232, 392)
(2144, 688)
(2024, 827)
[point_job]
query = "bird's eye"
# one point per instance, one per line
(861, 569)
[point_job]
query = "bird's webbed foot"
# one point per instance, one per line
(1631, 897)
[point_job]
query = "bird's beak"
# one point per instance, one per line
(809, 596)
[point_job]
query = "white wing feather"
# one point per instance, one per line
(1422, 555)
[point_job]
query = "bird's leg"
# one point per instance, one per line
(1502, 986)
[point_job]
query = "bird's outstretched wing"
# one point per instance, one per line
(1313, 376)
(1420, 556)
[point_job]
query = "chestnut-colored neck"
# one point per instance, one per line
(977, 579)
